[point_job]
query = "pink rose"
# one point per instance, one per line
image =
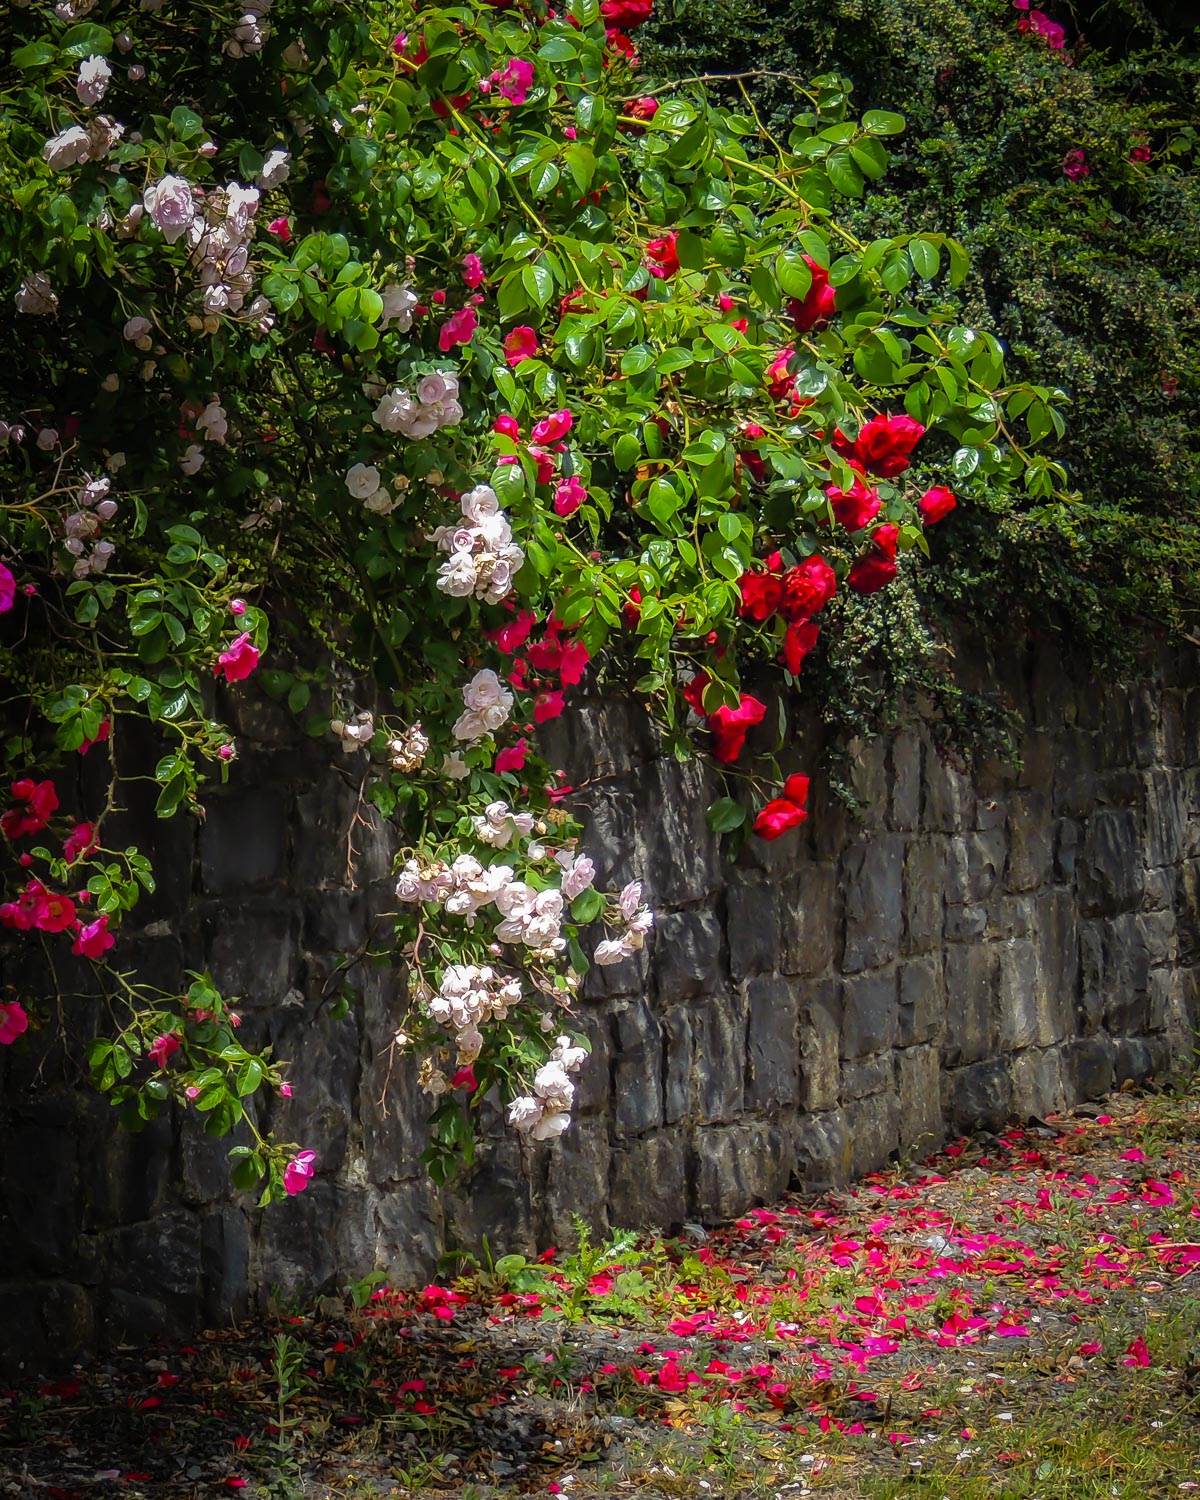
(238, 661)
(162, 1048)
(13, 1022)
(8, 589)
(515, 80)
(521, 344)
(93, 941)
(297, 1173)
(472, 271)
(569, 496)
(512, 758)
(459, 328)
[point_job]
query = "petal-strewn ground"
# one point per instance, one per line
(1016, 1318)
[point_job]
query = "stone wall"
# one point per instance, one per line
(974, 950)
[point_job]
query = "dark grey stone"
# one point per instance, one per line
(808, 903)
(924, 894)
(979, 1097)
(734, 1167)
(873, 1126)
(870, 1076)
(687, 957)
(871, 883)
(972, 977)
(243, 840)
(637, 1070)
(976, 861)
(648, 1183)
(820, 1146)
(820, 1028)
(719, 1032)
(918, 1087)
(772, 1051)
(1111, 876)
(753, 928)
(1087, 1067)
(906, 781)
(949, 796)
(1030, 843)
(922, 1012)
(870, 1013)
(576, 1184)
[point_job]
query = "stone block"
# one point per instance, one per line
(1037, 1084)
(978, 1097)
(949, 796)
(648, 1183)
(678, 1042)
(772, 1050)
(820, 1029)
(820, 1146)
(1021, 999)
(637, 1070)
(152, 1278)
(681, 854)
(869, 1076)
(809, 922)
(752, 927)
(577, 1168)
(868, 775)
(918, 1088)
(1030, 843)
(906, 781)
(687, 958)
(495, 1199)
(1087, 1067)
(734, 1167)
(1110, 873)
(873, 1126)
(224, 1264)
(975, 864)
(972, 978)
(870, 1013)
(39, 1198)
(409, 1230)
(1133, 1060)
(966, 923)
(255, 952)
(1166, 817)
(922, 1015)
(719, 1067)
(243, 840)
(46, 1324)
(872, 886)
(124, 1176)
(1116, 972)
(924, 894)
(1068, 838)
(1012, 917)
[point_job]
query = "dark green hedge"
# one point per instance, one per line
(1095, 285)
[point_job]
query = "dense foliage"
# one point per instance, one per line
(1066, 160)
(436, 337)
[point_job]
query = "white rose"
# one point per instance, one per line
(379, 502)
(610, 951)
(578, 873)
(213, 423)
(94, 74)
(455, 767)
(193, 459)
(398, 304)
(394, 409)
(68, 148)
(630, 899)
(169, 203)
(524, 1112)
(103, 134)
(456, 576)
(479, 503)
(275, 170)
(362, 480)
(485, 690)
(47, 439)
(469, 727)
(432, 389)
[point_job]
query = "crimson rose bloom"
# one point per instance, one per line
(761, 595)
(777, 817)
(883, 446)
(936, 504)
(856, 507)
(798, 641)
(870, 574)
(729, 726)
(807, 588)
(626, 15)
(663, 256)
(817, 305)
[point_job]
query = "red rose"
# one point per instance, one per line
(798, 641)
(693, 692)
(795, 789)
(817, 305)
(871, 573)
(729, 727)
(761, 594)
(780, 383)
(883, 445)
(626, 15)
(936, 504)
(777, 817)
(856, 507)
(807, 588)
(663, 256)
(887, 539)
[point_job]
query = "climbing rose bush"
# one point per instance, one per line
(441, 337)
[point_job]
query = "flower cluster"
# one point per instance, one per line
(468, 996)
(483, 558)
(546, 1112)
(635, 920)
(487, 704)
(84, 524)
(408, 749)
(433, 406)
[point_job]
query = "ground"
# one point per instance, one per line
(1017, 1317)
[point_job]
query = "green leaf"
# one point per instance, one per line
(35, 55)
(587, 906)
(626, 451)
(844, 174)
(86, 40)
(925, 258)
(724, 815)
(883, 122)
